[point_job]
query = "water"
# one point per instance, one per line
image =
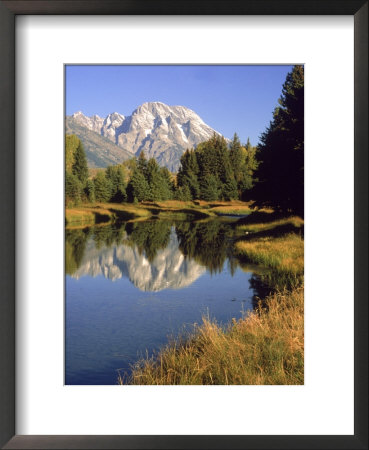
(130, 286)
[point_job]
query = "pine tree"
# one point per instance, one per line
(73, 189)
(142, 164)
(281, 151)
(209, 188)
(117, 177)
(102, 187)
(138, 188)
(90, 191)
(71, 144)
(227, 182)
(168, 185)
(183, 193)
(188, 173)
(80, 168)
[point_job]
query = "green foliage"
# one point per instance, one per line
(79, 167)
(153, 179)
(71, 144)
(142, 164)
(244, 164)
(103, 187)
(138, 188)
(205, 242)
(188, 174)
(183, 194)
(73, 189)
(116, 175)
(75, 179)
(281, 151)
(149, 236)
(168, 183)
(229, 189)
(209, 188)
(215, 172)
(75, 244)
(90, 191)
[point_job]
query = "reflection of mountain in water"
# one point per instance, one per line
(168, 269)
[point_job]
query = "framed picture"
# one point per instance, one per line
(151, 191)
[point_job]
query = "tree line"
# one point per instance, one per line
(271, 174)
(212, 171)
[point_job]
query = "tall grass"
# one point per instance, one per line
(283, 255)
(294, 221)
(265, 347)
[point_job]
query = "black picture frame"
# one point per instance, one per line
(8, 12)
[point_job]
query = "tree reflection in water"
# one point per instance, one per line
(209, 243)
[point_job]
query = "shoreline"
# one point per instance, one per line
(264, 348)
(97, 213)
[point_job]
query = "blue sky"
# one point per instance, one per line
(230, 99)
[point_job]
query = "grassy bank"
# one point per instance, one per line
(266, 347)
(284, 256)
(92, 213)
(277, 245)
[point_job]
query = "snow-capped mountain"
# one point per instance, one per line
(93, 123)
(163, 132)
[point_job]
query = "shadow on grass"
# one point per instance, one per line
(276, 232)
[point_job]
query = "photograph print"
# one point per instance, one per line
(184, 225)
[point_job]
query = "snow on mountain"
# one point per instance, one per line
(163, 132)
(93, 123)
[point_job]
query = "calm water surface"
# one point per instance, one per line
(131, 286)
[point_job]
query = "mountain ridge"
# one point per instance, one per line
(163, 132)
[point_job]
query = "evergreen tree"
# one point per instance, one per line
(103, 187)
(208, 157)
(188, 173)
(116, 176)
(227, 182)
(71, 144)
(229, 190)
(168, 184)
(154, 180)
(209, 188)
(138, 188)
(183, 193)
(79, 168)
(90, 191)
(281, 151)
(73, 189)
(142, 164)
(251, 164)
(244, 164)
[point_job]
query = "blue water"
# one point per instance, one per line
(126, 296)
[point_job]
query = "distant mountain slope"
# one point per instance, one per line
(163, 132)
(100, 151)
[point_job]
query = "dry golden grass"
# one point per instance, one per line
(79, 216)
(97, 212)
(236, 209)
(286, 254)
(103, 212)
(169, 204)
(295, 221)
(266, 347)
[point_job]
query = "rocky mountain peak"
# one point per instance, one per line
(162, 131)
